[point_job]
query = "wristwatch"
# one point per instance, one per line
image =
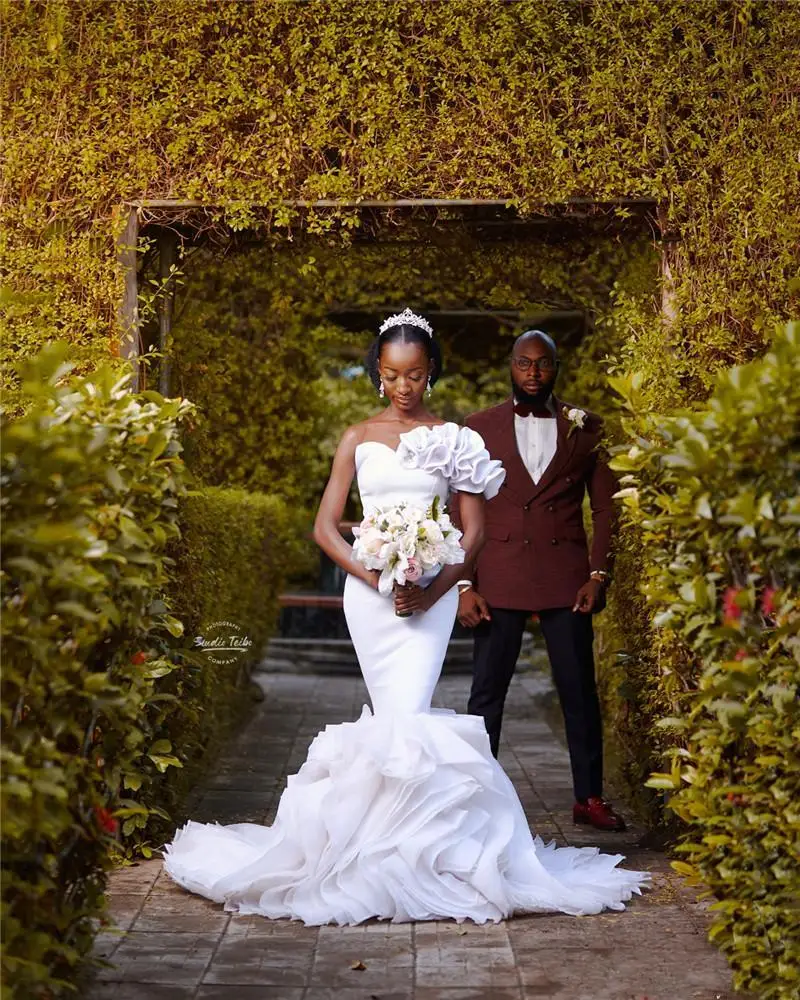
(463, 585)
(599, 574)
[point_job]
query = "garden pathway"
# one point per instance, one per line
(174, 946)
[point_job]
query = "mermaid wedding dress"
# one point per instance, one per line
(404, 814)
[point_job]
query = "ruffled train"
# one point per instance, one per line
(400, 817)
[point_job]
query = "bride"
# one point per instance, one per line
(404, 814)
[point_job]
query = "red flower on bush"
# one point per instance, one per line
(105, 820)
(731, 612)
(768, 602)
(139, 658)
(741, 654)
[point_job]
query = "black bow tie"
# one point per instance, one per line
(532, 410)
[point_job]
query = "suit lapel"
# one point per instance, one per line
(504, 447)
(518, 479)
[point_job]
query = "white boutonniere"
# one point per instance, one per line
(576, 417)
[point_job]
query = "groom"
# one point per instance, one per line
(536, 559)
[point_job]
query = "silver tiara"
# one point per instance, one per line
(407, 318)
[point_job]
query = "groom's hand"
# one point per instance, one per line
(588, 596)
(472, 609)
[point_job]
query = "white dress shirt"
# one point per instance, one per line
(537, 438)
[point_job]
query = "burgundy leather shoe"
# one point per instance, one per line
(598, 813)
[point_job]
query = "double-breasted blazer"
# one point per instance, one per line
(536, 554)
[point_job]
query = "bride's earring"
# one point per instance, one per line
(430, 387)
(381, 391)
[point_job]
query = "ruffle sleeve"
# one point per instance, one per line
(458, 453)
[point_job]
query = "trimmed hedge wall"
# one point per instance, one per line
(103, 698)
(713, 497)
(243, 105)
(231, 562)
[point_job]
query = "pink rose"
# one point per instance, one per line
(413, 571)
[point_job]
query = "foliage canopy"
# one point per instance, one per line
(262, 104)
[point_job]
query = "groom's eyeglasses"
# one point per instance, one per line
(540, 364)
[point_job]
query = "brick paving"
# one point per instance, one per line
(171, 945)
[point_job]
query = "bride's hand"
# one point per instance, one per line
(409, 599)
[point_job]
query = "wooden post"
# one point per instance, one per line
(167, 256)
(669, 311)
(130, 344)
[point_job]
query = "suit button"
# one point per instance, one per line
(554, 541)
(549, 506)
(568, 479)
(526, 541)
(527, 506)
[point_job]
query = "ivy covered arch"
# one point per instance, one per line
(260, 330)
(238, 105)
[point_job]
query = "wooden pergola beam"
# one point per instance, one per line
(489, 313)
(181, 205)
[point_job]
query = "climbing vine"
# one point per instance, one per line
(244, 105)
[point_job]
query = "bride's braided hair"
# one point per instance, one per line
(403, 334)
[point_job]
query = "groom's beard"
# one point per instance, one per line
(539, 398)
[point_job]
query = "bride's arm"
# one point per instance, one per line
(331, 509)
(470, 506)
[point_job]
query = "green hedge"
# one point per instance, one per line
(103, 697)
(91, 481)
(713, 495)
(231, 562)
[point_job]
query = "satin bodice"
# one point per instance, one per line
(384, 482)
(428, 462)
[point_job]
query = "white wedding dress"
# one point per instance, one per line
(404, 814)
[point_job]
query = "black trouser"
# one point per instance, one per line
(568, 635)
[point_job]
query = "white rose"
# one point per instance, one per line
(432, 532)
(371, 542)
(427, 555)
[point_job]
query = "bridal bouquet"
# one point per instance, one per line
(406, 542)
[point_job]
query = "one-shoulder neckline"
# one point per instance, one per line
(429, 427)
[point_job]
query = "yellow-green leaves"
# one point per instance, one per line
(716, 519)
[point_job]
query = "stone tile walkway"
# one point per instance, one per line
(171, 945)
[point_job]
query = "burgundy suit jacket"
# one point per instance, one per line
(536, 554)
